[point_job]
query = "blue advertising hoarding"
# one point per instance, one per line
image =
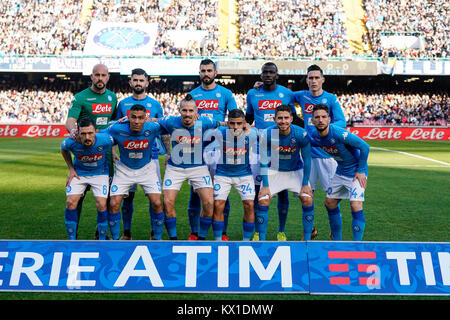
(379, 268)
(315, 267)
(153, 266)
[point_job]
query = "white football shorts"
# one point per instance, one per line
(245, 186)
(198, 177)
(322, 169)
(99, 185)
(285, 180)
(345, 188)
(134, 187)
(125, 177)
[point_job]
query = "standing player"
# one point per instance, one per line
(261, 105)
(135, 139)
(89, 168)
(139, 84)
(233, 169)
(283, 169)
(350, 179)
(186, 162)
(212, 101)
(323, 166)
(97, 103)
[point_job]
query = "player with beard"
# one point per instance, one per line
(350, 180)
(213, 101)
(139, 84)
(89, 168)
(97, 103)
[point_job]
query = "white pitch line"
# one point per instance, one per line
(412, 155)
(408, 165)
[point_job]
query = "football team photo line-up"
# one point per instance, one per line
(265, 151)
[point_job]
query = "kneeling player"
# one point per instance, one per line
(89, 168)
(283, 169)
(135, 139)
(350, 180)
(233, 169)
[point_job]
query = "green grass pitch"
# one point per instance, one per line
(407, 199)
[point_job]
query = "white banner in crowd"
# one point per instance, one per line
(187, 38)
(120, 39)
(402, 42)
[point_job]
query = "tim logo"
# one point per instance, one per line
(90, 158)
(309, 108)
(354, 256)
(269, 104)
(101, 108)
(135, 145)
(207, 104)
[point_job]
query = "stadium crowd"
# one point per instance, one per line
(49, 102)
(285, 28)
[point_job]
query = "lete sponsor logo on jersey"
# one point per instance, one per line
(285, 149)
(237, 152)
(188, 139)
(269, 104)
(135, 144)
(309, 108)
(207, 104)
(90, 157)
(101, 108)
(330, 150)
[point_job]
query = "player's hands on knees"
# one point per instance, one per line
(264, 193)
(361, 178)
(306, 190)
(72, 174)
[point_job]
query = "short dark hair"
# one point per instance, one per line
(283, 107)
(269, 64)
(139, 71)
(236, 113)
(138, 107)
(205, 62)
(320, 107)
(86, 122)
(314, 67)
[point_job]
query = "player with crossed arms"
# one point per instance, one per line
(350, 179)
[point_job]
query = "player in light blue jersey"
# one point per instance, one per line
(89, 167)
(350, 179)
(186, 162)
(139, 84)
(282, 168)
(135, 139)
(261, 104)
(234, 144)
(212, 101)
(323, 166)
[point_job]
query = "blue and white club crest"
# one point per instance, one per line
(121, 38)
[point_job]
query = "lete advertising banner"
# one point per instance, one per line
(163, 266)
(365, 133)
